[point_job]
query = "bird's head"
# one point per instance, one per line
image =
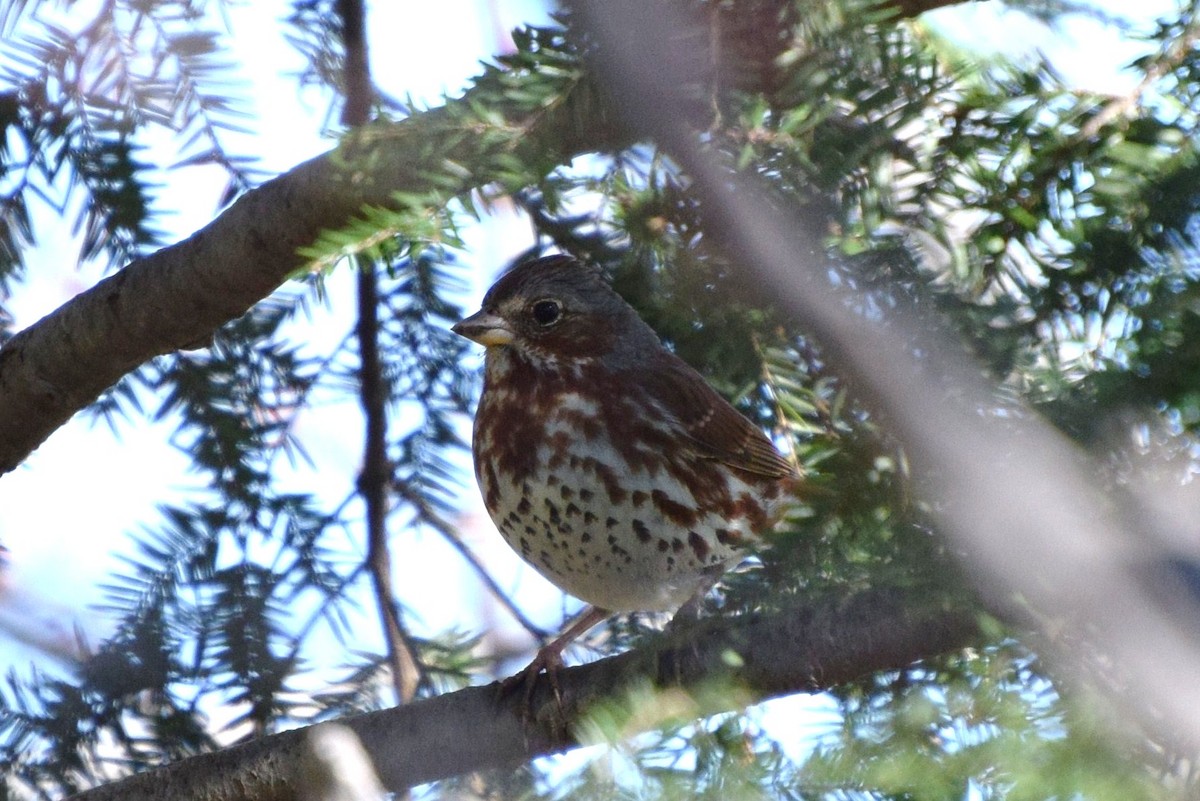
(556, 309)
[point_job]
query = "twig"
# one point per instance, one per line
(372, 485)
(373, 480)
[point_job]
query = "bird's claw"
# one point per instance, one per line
(545, 660)
(548, 660)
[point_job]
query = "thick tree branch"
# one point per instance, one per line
(802, 649)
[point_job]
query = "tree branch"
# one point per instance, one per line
(426, 514)
(805, 648)
(402, 656)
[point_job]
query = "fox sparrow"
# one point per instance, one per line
(605, 460)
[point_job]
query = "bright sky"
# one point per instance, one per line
(68, 510)
(1087, 53)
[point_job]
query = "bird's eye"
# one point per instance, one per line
(547, 312)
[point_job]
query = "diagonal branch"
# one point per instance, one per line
(426, 514)
(804, 648)
(1068, 556)
(176, 298)
(1171, 59)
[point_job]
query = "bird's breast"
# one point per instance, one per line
(598, 491)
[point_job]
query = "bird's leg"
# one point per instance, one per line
(549, 656)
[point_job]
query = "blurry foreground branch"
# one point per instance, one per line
(1014, 495)
(334, 766)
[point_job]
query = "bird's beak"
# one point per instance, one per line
(484, 328)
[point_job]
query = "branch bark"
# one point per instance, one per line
(801, 649)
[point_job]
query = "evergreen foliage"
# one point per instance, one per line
(1054, 232)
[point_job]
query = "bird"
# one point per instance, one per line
(606, 461)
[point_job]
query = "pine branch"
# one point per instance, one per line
(177, 297)
(801, 649)
(1173, 56)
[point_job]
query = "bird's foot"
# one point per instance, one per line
(548, 659)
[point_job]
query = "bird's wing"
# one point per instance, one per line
(716, 430)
